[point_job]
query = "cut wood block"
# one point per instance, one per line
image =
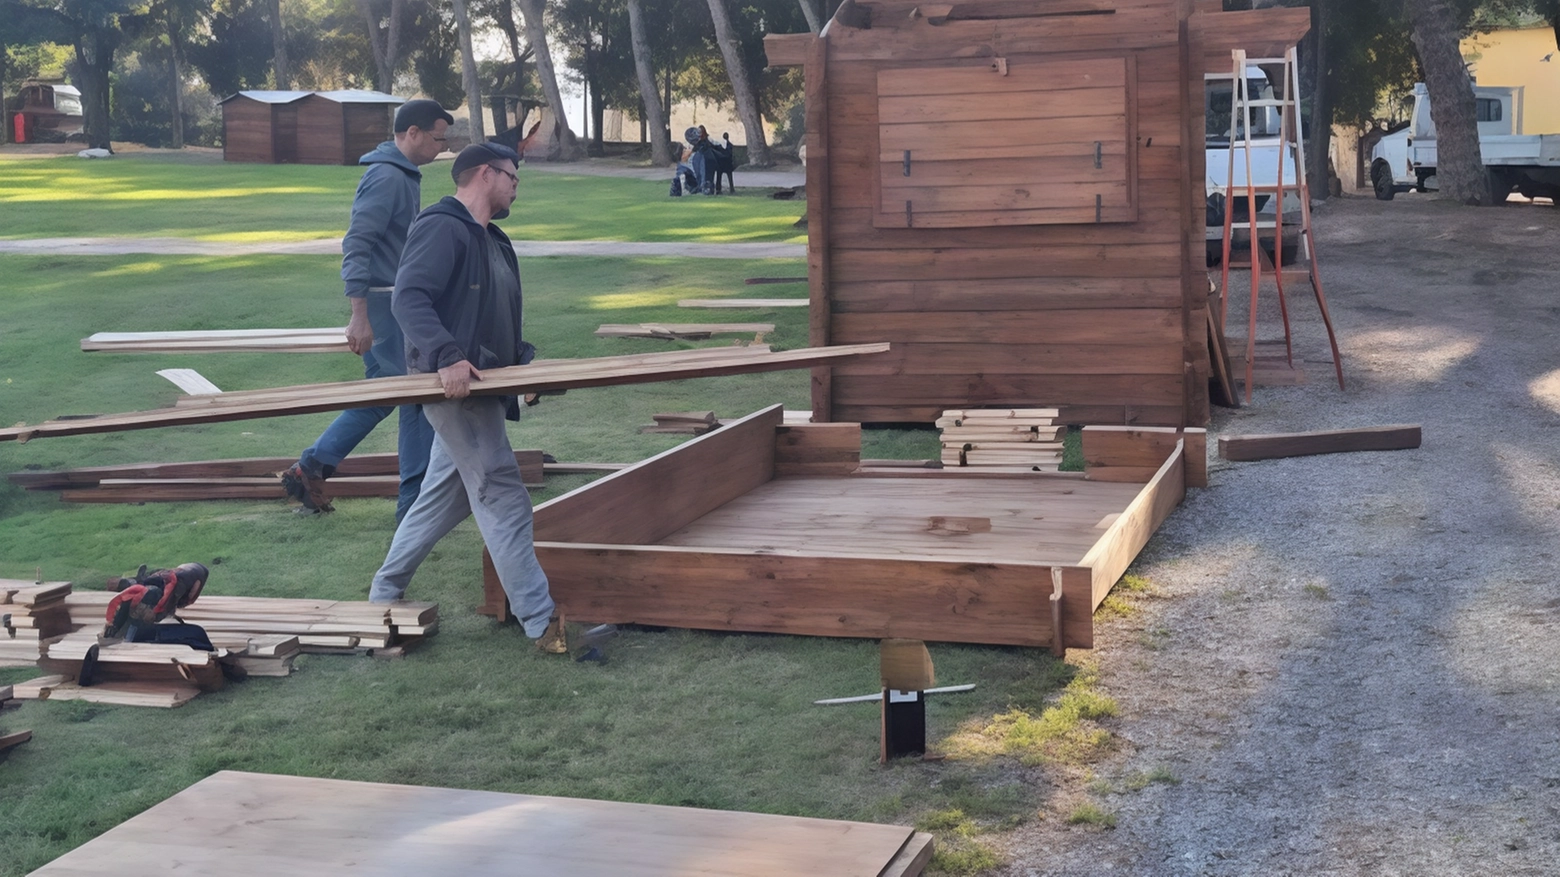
(742, 303)
(1301, 444)
(190, 381)
(14, 739)
(32, 594)
(906, 665)
(122, 693)
(703, 417)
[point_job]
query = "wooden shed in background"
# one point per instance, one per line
(305, 127)
(337, 127)
(1012, 193)
(261, 126)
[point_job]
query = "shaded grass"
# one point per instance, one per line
(675, 717)
(197, 195)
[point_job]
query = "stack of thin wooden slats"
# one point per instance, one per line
(359, 475)
(30, 614)
(1001, 439)
(269, 654)
(684, 331)
(682, 423)
(319, 625)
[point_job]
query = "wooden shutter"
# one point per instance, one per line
(1013, 143)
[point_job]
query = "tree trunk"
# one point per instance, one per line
(94, 60)
(5, 118)
(506, 23)
(279, 47)
(376, 44)
(660, 150)
(565, 146)
(468, 63)
(1321, 108)
(1459, 166)
(741, 87)
(392, 46)
(175, 81)
(813, 24)
(598, 116)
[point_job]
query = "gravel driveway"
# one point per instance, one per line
(1352, 664)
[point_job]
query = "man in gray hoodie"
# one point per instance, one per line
(388, 198)
(457, 298)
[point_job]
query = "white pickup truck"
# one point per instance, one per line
(1266, 153)
(1528, 163)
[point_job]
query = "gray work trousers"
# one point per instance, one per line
(471, 470)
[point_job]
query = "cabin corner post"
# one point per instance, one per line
(1196, 363)
(820, 312)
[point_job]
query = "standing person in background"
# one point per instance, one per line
(457, 298)
(388, 198)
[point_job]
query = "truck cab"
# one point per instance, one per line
(44, 111)
(1266, 152)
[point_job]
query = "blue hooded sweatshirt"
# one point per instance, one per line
(388, 199)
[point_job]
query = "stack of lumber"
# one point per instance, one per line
(251, 478)
(175, 667)
(1001, 439)
(319, 625)
(267, 655)
(682, 423)
(30, 614)
(684, 331)
(330, 340)
(60, 687)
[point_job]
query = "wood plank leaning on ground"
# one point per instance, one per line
(1331, 441)
(557, 374)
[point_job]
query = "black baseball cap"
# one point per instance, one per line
(482, 153)
(422, 113)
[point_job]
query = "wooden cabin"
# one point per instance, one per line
(261, 126)
(306, 127)
(1012, 194)
(338, 127)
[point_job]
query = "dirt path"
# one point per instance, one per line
(119, 246)
(1353, 663)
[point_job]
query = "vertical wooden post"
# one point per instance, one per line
(816, 94)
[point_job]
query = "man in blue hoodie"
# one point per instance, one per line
(388, 198)
(457, 298)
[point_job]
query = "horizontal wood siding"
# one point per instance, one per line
(320, 131)
(1087, 316)
(368, 125)
(246, 131)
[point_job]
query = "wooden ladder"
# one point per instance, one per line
(1291, 147)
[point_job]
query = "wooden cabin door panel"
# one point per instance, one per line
(1045, 143)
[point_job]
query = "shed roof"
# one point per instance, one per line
(360, 96)
(270, 97)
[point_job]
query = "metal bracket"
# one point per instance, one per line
(909, 216)
(1099, 208)
(1099, 154)
(907, 162)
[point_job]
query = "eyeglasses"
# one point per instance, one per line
(512, 177)
(437, 139)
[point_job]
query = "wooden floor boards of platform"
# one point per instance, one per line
(260, 825)
(1033, 520)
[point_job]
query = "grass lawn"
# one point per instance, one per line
(676, 717)
(197, 195)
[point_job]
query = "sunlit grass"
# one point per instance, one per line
(200, 197)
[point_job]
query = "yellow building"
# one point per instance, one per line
(1523, 58)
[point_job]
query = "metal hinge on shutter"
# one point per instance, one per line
(909, 216)
(1099, 154)
(907, 162)
(1099, 208)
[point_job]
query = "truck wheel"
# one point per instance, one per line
(1381, 178)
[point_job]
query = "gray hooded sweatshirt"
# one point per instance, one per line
(388, 199)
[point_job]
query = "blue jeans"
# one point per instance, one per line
(386, 357)
(472, 471)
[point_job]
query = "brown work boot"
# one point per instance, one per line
(554, 640)
(306, 487)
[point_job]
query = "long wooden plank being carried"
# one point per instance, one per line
(538, 376)
(1332, 441)
(742, 303)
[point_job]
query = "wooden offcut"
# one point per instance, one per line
(775, 527)
(742, 303)
(558, 374)
(906, 665)
(1335, 441)
(261, 825)
(1013, 194)
(331, 340)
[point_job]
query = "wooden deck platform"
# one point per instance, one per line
(260, 825)
(774, 527)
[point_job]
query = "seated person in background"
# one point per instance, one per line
(725, 163)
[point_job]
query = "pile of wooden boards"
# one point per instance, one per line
(30, 614)
(330, 340)
(684, 331)
(319, 625)
(10, 739)
(359, 475)
(1001, 439)
(682, 423)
